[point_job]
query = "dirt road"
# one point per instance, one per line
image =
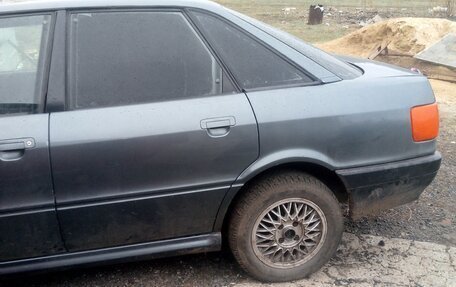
(362, 260)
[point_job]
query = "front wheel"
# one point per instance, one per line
(285, 227)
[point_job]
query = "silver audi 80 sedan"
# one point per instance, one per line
(136, 129)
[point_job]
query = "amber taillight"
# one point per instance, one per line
(425, 122)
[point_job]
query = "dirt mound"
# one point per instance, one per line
(407, 36)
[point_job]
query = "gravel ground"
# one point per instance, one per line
(361, 260)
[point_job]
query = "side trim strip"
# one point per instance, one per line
(137, 252)
(27, 210)
(132, 197)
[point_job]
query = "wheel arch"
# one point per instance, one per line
(317, 169)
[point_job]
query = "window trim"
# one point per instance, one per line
(212, 50)
(69, 105)
(44, 60)
(315, 81)
(56, 90)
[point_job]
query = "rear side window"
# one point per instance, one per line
(342, 69)
(22, 53)
(253, 65)
(122, 58)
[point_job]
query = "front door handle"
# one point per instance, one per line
(218, 127)
(16, 144)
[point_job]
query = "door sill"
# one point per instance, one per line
(137, 252)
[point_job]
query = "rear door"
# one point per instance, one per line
(28, 221)
(154, 133)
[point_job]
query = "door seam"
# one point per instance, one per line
(53, 185)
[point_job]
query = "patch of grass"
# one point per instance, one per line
(311, 33)
(270, 11)
(294, 23)
(336, 3)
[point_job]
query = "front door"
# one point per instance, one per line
(28, 221)
(154, 135)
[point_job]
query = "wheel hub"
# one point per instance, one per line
(289, 234)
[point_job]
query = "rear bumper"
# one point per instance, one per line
(379, 187)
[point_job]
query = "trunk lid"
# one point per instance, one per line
(374, 69)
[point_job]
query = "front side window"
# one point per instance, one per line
(123, 58)
(22, 52)
(253, 65)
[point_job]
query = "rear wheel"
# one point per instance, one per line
(285, 227)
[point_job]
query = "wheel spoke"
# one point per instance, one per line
(272, 251)
(301, 251)
(278, 214)
(271, 220)
(298, 209)
(270, 237)
(308, 244)
(288, 210)
(313, 227)
(266, 229)
(312, 235)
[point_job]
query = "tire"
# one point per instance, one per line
(317, 234)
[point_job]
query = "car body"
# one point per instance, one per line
(133, 127)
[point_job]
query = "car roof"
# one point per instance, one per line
(22, 7)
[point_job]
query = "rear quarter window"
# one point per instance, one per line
(342, 69)
(253, 64)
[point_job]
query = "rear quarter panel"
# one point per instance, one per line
(346, 124)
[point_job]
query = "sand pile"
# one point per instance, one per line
(407, 36)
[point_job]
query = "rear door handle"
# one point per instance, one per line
(215, 123)
(16, 144)
(218, 127)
